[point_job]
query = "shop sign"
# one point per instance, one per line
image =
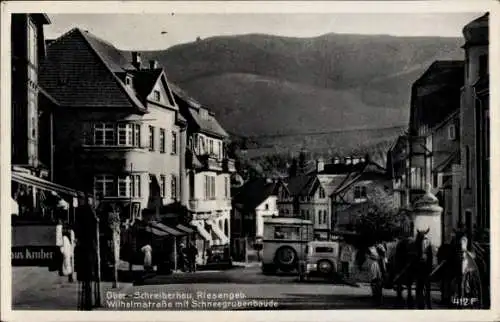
(34, 255)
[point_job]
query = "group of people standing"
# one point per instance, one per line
(187, 257)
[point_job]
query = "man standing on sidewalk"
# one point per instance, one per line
(192, 252)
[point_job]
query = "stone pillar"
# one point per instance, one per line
(426, 214)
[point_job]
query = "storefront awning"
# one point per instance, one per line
(155, 231)
(28, 179)
(167, 229)
(218, 232)
(185, 229)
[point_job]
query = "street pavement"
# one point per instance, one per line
(243, 287)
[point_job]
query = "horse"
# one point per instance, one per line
(413, 263)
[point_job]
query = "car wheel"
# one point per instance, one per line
(286, 258)
(325, 267)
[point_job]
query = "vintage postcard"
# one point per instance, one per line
(249, 160)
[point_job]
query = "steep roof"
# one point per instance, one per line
(145, 80)
(102, 82)
(192, 111)
(254, 192)
(295, 185)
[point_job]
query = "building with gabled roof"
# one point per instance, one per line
(208, 171)
(118, 129)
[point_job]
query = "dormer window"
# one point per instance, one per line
(156, 95)
(451, 132)
(128, 80)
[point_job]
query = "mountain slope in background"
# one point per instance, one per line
(262, 85)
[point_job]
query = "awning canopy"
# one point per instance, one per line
(155, 231)
(167, 229)
(202, 231)
(185, 229)
(29, 179)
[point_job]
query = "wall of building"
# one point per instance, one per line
(267, 208)
(468, 137)
(77, 160)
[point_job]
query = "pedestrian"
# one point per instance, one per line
(192, 254)
(148, 257)
(182, 257)
(346, 257)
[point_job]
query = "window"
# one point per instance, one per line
(286, 232)
(323, 249)
(209, 187)
(220, 149)
(156, 95)
(360, 192)
(211, 146)
(104, 185)
(325, 218)
(174, 142)
(128, 80)
(483, 65)
(135, 185)
(123, 186)
(104, 134)
(151, 138)
(162, 140)
(321, 193)
(32, 44)
(173, 188)
(226, 187)
(266, 206)
(163, 181)
(452, 132)
(319, 217)
(137, 135)
(125, 134)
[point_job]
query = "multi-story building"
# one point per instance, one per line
(28, 49)
(475, 128)
(117, 130)
(433, 143)
(37, 202)
(208, 172)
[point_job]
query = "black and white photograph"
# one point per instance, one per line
(247, 160)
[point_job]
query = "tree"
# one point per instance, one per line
(381, 220)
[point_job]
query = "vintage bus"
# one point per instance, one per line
(284, 243)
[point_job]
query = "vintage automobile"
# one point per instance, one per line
(321, 260)
(284, 243)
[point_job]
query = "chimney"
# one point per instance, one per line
(136, 59)
(320, 165)
(153, 64)
(348, 160)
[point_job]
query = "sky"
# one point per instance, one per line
(161, 31)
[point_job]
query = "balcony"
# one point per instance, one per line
(210, 162)
(229, 165)
(209, 205)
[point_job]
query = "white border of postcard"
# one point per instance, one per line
(201, 7)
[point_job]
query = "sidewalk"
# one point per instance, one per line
(36, 288)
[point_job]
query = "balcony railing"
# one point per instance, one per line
(229, 165)
(210, 162)
(202, 205)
